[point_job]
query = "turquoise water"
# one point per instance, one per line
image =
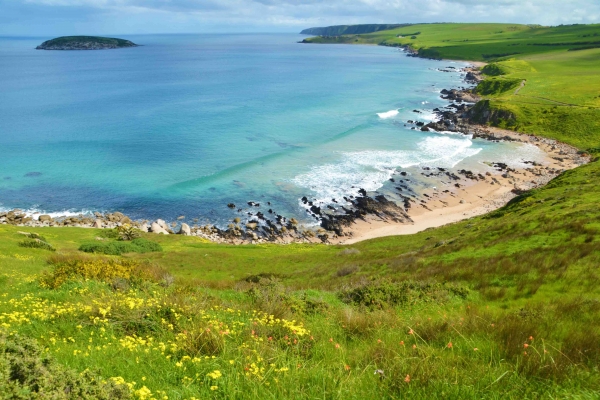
(189, 123)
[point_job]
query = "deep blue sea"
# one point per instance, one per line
(186, 124)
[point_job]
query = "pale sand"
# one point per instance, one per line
(479, 199)
(477, 64)
(475, 197)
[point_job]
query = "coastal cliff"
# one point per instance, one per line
(350, 29)
(85, 43)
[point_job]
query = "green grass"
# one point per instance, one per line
(499, 306)
(479, 42)
(488, 283)
(561, 97)
(116, 248)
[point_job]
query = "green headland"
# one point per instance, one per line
(504, 305)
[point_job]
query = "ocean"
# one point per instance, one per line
(186, 124)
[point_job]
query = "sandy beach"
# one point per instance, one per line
(451, 204)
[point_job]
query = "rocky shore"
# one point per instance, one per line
(453, 193)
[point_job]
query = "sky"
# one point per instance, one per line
(100, 17)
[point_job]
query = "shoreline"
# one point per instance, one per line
(481, 196)
(466, 194)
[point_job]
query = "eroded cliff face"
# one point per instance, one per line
(483, 113)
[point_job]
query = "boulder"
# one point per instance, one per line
(97, 224)
(156, 228)
(162, 224)
(185, 230)
(45, 218)
(519, 190)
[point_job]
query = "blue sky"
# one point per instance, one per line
(71, 17)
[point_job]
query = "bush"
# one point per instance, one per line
(27, 373)
(139, 245)
(120, 273)
(271, 297)
(384, 294)
(347, 270)
(128, 232)
(36, 244)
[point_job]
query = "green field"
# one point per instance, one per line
(561, 97)
(499, 306)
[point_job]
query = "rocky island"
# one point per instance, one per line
(85, 43)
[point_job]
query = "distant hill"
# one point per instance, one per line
(84, 43)
(350, 29)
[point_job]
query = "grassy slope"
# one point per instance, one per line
(531, 270)
(562, 96)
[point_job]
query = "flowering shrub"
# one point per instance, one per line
(106, 270)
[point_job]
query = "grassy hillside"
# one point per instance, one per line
(480, 42)
(349, 29)
(499, 306)
(561, 93)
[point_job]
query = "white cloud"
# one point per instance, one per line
(153, 16)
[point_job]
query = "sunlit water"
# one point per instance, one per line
(189, 123)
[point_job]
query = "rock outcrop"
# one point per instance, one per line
(156, 228)
(185, 230)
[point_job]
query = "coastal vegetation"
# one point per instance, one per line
(503, 305)
(560, 93)
(350, 29)
(84, 43)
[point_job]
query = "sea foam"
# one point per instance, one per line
(35, 212)
(387, 114)
(370, 169)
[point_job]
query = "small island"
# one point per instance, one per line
(85, 43)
